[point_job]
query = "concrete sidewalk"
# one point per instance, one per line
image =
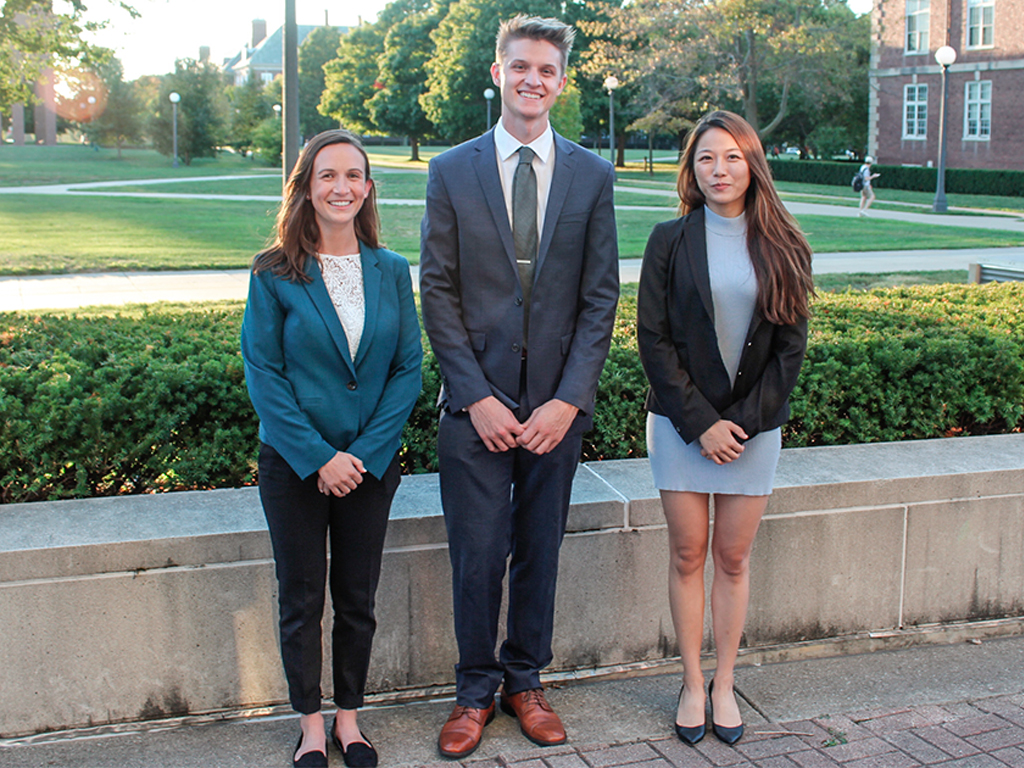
(70, 291)
(929, 705)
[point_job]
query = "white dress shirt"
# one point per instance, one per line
(507, 149)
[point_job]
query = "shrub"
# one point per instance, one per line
(915, 178)
(112, 405)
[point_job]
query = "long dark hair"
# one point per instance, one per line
(297, 235)
(779, 252)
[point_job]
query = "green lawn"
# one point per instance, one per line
(67, 233)
(43, 234)
(389, 184)
(74, 163)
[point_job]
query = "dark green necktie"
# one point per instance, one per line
(524, 228)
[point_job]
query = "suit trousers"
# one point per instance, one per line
(502, 507)
(299, 517)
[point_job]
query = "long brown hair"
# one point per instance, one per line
(297, 235)
(779, 252)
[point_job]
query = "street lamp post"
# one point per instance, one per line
(175, 98)
(945, 56)
(611, 83)
(489, 95)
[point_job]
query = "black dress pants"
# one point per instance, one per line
(299, 517)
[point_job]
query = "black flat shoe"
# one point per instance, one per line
(690, 734)
(728, 735)
(358, 754)
(313, 759)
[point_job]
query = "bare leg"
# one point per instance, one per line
(687, 517)
(347, 729)
(870, 197)
(314, 737)
(736, 522)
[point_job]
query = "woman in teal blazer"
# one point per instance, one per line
(332, 352)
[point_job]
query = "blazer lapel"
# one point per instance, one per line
(371, 294)
(485, 163)
(317, 291)
(697, 253)
(561, 180)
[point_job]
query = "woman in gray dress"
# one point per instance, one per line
(722, 328)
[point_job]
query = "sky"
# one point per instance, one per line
(172, 29)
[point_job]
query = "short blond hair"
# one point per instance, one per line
(556, 32)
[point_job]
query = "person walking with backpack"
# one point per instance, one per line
(867, 194)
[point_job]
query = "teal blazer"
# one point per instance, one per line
(311, 397)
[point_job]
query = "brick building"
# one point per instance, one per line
(985, 123)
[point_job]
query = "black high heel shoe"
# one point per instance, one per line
(689, 734)
(358, 754)
(728, 735)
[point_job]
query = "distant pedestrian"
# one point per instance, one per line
(867, 194)
(331, 345)
(722, 328)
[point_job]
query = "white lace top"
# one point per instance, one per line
(343, 276)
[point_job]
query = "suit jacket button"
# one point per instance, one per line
(515, 347)
(352, 385)
(519, 301)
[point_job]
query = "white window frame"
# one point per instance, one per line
(977, 110)
(917, 20)
(915, 101)
(981, 22)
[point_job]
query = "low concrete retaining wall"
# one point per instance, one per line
(140, 607)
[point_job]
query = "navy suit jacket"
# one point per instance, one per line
(679, 346)
(469, 283)
(312, 398)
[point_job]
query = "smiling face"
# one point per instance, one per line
(338, 186)
(722, 172)
(531, 78)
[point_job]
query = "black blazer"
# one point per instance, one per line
(679, 347)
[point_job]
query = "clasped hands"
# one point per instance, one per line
(541, 433)
(340, 475)
(719, 443)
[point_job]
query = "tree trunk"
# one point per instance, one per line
(748, 81)
(414, 142)
(620, 155)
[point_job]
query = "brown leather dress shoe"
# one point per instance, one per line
(537, 720)
(461, 734)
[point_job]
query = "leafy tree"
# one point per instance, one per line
(566, 117)
(268, 140)
(458, 71)
(395, 107)
(250, 107)
(319, 47)
(201, 111)
(687, 56)
(349, 79)
(33, 36)
(120, 121)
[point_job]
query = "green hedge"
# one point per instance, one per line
(915, 178)
(110, 405)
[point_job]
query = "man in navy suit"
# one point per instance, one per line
(519, 283)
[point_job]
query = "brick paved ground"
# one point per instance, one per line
(987, 733)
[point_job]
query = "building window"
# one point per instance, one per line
(918, 17)
(266, 77)
(915, 111)
(981, 16)
(978, 110)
